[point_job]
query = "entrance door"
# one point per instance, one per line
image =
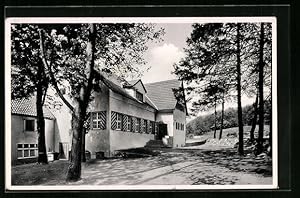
(63, 150)
(162, 130)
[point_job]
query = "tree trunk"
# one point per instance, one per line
(42, 153)
(40, 96)
(215, 129)
(254, 119)
(240, 115)
(83, 145)
(261, 92)
(74, 171)
(222, 118)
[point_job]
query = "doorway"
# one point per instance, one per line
(162, 131)
(63, 150)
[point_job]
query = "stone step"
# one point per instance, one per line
(155, 144)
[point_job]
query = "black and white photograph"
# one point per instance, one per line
(108, 103)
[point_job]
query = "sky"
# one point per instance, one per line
(161, 57)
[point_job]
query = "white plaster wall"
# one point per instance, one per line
(63, 131)
(18, 135)
(97, 140)
(179, 135)
(50, 135)
(124, 140)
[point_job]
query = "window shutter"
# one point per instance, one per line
(102, 116)
(138, 120)
(91, 120)
(113, 120)
(142, 128)
(124, 122)
(133, 124)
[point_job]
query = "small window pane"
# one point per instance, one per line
(94, 125)
(139, 96)
(20, 153)
(26, 153)
(29, 125)
(20, 145)
(26, 145)
(32, 145)
(32, 152)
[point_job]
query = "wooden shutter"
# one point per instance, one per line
(124, 122)
(133, 124)
(142, 124)
(102, 115)
(92, 114)
(113, 120)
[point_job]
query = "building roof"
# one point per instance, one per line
(162, 95)
(116, 88)
(27, 107)
(132, 83)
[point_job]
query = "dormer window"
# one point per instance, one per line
(139, 96)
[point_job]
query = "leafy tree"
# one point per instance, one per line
(30, 77)
(86, 52)
(238, 87)
(205, 68)
(261, 90)
(234, 46)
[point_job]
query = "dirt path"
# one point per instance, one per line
(171, 167)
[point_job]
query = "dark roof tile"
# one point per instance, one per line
(27, 107)
(161, 93)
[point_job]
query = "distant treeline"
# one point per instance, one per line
(203, 124)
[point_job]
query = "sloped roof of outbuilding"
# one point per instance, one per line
(162, 95)
(27, 107)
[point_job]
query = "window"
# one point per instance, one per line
(129, 124)
(139, 96)
(177, 125)
(99, 120)
(119, 121)
(137, 125)
(29, 125)
(27, 151)
(151, 127)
